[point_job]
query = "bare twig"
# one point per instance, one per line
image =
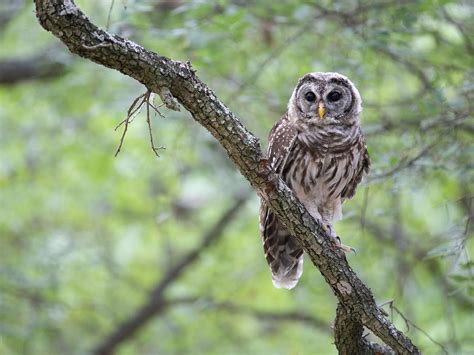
(418, 254)
(148, 121)
(134, 109)
(131, 111)
(109, 15)
(409, 323)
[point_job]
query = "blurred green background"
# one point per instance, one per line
(85, 237)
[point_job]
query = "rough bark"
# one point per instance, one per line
(159, 74)
(349, 338)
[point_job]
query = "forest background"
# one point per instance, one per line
(89, 240)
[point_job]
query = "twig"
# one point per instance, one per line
(148, 121)
(416, 253)
(134, 109)
(109, 14)
(131, 111)
(409, 322)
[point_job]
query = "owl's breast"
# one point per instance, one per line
(318, 178)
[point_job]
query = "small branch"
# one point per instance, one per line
(109, 15)
(410, 323)
(432, 264)
(134, 109)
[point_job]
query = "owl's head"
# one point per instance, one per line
(325, 99)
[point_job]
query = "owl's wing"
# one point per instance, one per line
(283, 254)
(280, 142)
(362, 169)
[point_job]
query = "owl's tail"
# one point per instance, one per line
(287, 272)
(283, 254)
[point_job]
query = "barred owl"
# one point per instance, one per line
(318, 149)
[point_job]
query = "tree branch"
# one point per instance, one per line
(263, 315)
(156, 302)
(41, 66)
(348, 333)
(69, 24)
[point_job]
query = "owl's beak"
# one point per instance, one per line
(321, 110)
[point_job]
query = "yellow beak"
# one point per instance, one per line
(321, 110)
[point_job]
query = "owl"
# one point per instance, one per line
(318, 149)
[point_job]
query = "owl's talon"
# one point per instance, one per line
(345, 248)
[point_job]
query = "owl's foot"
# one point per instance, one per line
(345, 248)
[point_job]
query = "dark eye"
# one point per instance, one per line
(309, 96)
(334, 96)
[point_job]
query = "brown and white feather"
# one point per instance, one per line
(322, 162)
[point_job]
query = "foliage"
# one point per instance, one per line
(85, 236)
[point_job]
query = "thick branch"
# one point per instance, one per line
(68, 23)
(41, 66)
(349, 339)
(156, 302)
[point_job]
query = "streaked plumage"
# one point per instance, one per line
(318, 149)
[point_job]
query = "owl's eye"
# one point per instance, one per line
(334, 96)
(309, 96)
